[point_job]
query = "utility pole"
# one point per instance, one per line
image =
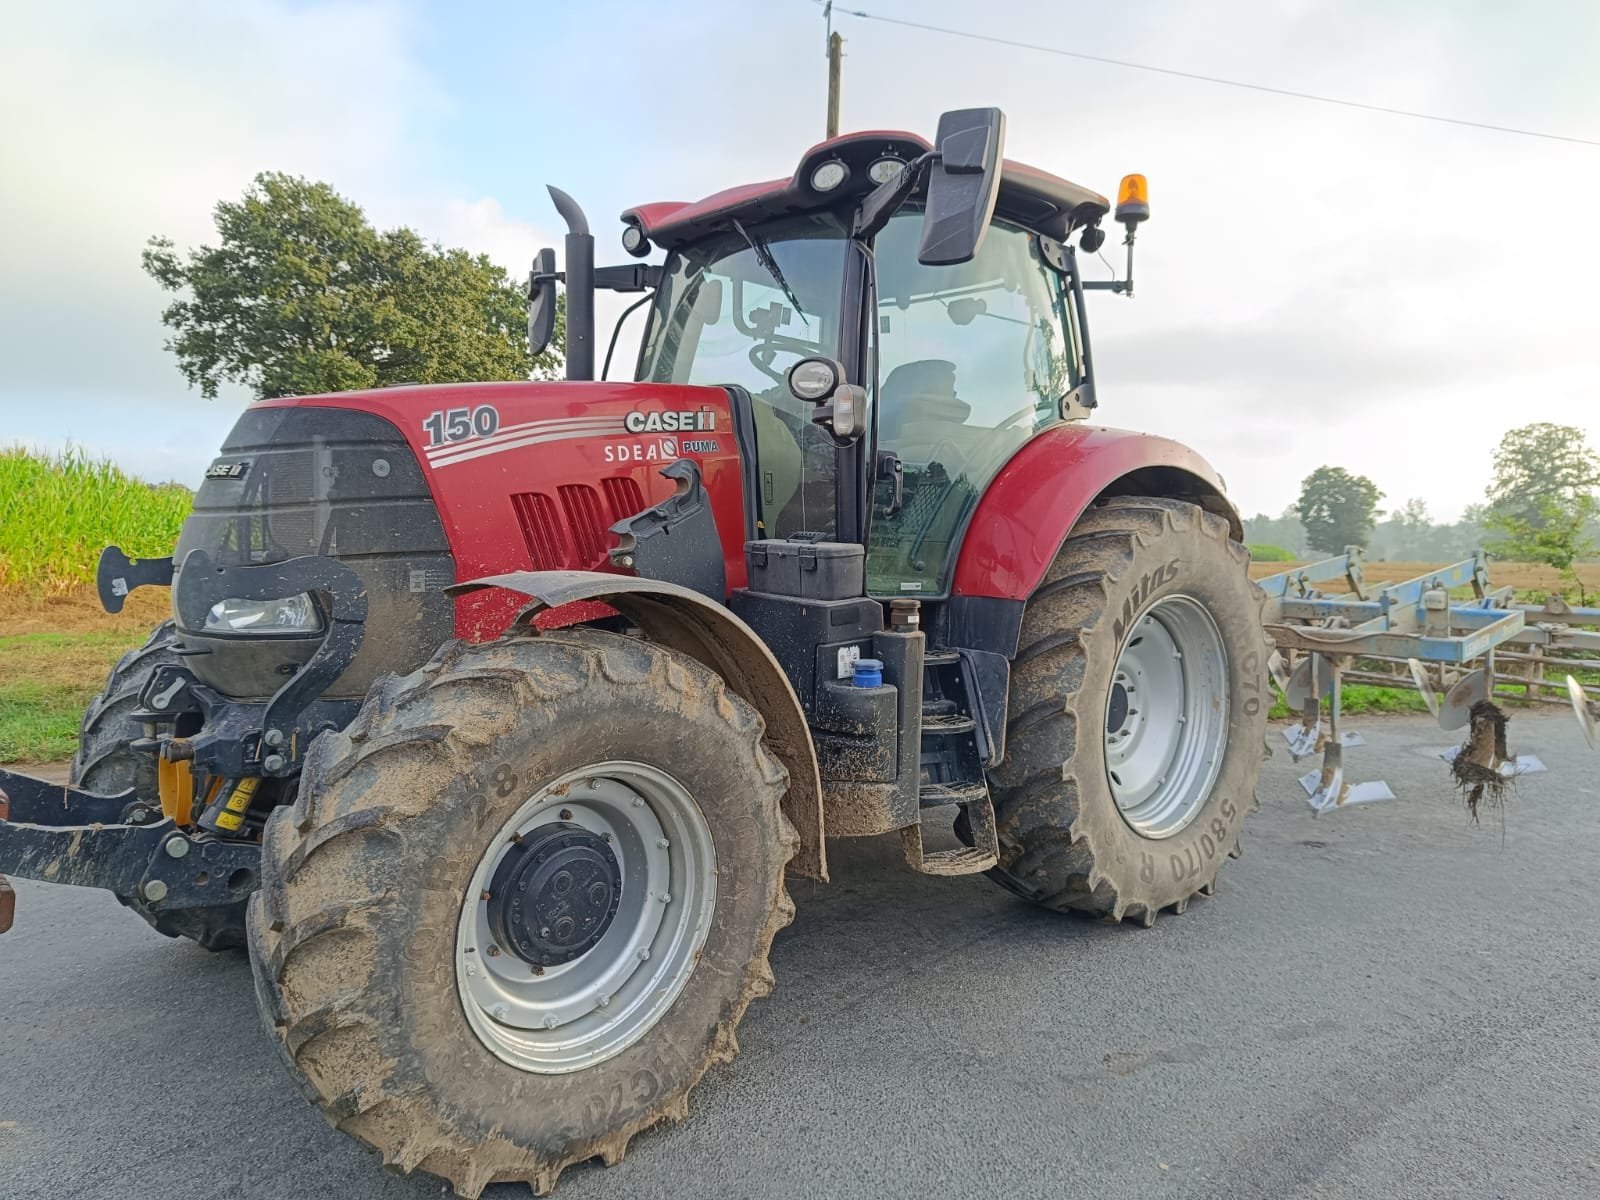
(835, 67)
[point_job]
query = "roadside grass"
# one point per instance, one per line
(49, 681)
(1358, 698)
(55, 654)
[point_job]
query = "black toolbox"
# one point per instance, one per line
(803, 565)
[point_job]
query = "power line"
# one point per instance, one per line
(1253, 87)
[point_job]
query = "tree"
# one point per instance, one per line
(303, 295)
(1337, 509)
(1542, 497)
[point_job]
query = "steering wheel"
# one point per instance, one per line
(761, 356)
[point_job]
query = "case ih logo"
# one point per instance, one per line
(228, 470)
(703, 420)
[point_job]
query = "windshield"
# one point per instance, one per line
(723, 316)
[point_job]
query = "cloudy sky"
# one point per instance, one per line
(1316, 285)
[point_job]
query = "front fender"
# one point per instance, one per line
(1030, 507)
(688, 622)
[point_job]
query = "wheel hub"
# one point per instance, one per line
(585, 916)
(1166, 723)
(554, 894)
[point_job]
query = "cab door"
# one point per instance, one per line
(973, 360)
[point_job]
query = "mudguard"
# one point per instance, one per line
(687, 622)
(1032, 504)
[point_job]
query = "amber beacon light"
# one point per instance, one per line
(1133, 200)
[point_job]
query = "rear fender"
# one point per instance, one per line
(1030, 507)
(707, 632)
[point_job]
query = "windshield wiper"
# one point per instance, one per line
(769, 264)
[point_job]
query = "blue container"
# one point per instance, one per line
(868, 673)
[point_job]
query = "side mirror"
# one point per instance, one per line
(841, 407)
(542, 301)
(962, 186)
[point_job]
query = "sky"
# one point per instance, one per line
(1316, 284)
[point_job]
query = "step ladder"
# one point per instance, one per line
(952, 773)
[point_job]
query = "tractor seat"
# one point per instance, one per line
(920, 417)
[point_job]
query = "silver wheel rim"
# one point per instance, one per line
(559, 1019)
(1166, 720)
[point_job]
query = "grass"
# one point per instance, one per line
(57, 511)
(1358, 698)
(49, 681)
(55, 654)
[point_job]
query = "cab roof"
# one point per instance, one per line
(1030, 197)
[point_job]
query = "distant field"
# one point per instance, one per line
(58, 511)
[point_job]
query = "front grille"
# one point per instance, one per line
(586, 523)
(541, 530)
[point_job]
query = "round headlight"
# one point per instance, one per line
(634, 241)
(885, 169)
(829, 175)
(815, 379)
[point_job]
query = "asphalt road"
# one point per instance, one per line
(1383, 1002)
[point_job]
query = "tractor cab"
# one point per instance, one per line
(937, 283)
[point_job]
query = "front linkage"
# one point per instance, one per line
(196, 846)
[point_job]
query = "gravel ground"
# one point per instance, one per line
(1381, 1002)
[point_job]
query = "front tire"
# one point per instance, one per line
(457, 1034)
(1136, 717)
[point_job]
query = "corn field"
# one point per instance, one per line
(58, 510)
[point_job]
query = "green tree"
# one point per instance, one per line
(1337, 509)
(1542, 497)
(302, 295)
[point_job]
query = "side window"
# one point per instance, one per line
(972, 361)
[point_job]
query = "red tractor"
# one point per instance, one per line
(492, 716)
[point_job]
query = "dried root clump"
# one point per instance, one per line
(1476, 769)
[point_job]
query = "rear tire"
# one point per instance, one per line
(1115, 798)
(372, 878)
(104, 762)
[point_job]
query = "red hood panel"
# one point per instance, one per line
(532, 475)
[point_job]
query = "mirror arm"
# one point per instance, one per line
(885, 200)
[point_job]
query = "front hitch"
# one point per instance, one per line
(60, 834)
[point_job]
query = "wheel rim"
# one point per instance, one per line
(1166, 720)
(585, 994)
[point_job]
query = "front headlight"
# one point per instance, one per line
(293, 614)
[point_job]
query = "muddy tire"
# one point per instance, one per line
(1125, 784)
(367, 935)
(105, 763)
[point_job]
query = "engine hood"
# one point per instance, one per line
(531, 475)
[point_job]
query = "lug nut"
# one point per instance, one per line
(604, 1002)
(662, 843)
(551, 1022)
(494, 951)
(472, 968)
(501, 1012)
(666, 897)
